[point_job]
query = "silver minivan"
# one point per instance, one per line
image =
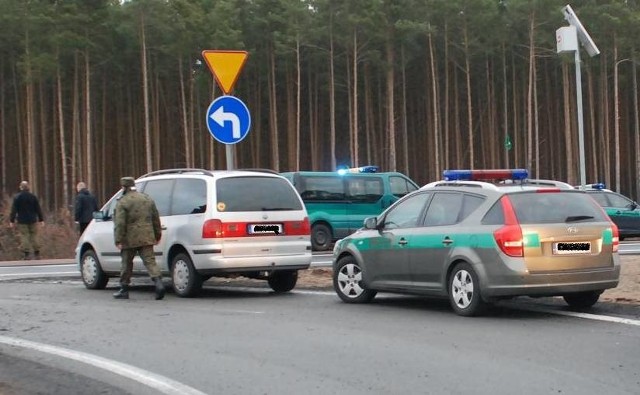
(214, 223)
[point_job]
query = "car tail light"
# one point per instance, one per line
(616, 237)
(509, 237)
(548, 190)
(214, 228)
(297, 228)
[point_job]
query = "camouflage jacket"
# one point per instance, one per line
(136, 221)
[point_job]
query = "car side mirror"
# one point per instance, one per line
(371, 223)
(633, 205)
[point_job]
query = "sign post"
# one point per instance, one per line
(228, 118)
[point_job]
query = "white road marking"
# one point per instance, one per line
(163, 384)
(43, 274)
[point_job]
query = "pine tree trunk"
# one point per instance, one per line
(88, 118)
(145, 96)
(355, 125)
(188, 159)
(570, 166)
(435, 103)
(332, 99)
(275, 158)
(390, 83)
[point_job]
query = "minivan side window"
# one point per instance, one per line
(160, 192)
(189, 196)
(322, 188)
(365, 189)
(400, 186)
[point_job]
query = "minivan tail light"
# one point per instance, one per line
(616, 237)
(509, 237)
(214, 228)
(297, 228)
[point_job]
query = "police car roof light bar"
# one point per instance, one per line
(480, 175)
(361, 169)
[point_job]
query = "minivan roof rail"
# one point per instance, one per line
(179, 171)
(260, 170)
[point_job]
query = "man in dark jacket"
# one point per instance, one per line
(26, 212)
(85, 205)
(136, 230)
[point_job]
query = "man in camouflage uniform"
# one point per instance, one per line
(26, 212)
(136, 231)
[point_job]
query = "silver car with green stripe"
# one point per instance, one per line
(477, 242)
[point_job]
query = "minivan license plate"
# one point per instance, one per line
(568, 248)
(265, 229)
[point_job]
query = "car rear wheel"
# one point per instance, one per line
(93, 276)
(582, 300)
(464, 291)
(348, 284)
(186, 281)
(320, 237)
(283, 281)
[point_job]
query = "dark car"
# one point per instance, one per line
(476, 242)
(624, 212)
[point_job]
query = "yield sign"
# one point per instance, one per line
(225, 66)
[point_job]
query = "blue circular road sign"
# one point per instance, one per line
(228, 119)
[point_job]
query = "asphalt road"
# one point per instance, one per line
(57, 335)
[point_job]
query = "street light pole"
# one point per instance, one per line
(583, 177)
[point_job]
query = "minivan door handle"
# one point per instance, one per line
(447, 241)
(402, 241)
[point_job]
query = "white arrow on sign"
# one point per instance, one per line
(220, 117)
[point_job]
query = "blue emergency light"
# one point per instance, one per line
(599, 186)
(361, 169)
(485, 175)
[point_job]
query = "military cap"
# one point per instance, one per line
(128, 182)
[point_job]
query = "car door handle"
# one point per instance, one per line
(402, 241)
(163, 227)
(446, 241)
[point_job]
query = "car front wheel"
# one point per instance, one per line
(348, 284)
(283, 281)
(582, 300)
(186, 281)
(93, 276)
(464, 291)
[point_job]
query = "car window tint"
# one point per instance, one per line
(364, 189)
(444, 209)
(322, 188)
(189, 196)
(469, 204)
(256, 194)
(495, 215)
(160, 192)
(400, 186)
(406, 213)
(532, 208)
(618, 200)
(600, 197)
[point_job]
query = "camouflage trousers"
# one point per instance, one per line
(28, 237)
(148, 258)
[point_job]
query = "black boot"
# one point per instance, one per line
(123, 293)
(159, 288)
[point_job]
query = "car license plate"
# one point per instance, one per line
(265, 229)
(569, 248)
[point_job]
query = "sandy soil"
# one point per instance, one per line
(628, 290)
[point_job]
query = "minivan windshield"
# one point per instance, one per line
(256, 194)
(555, 207)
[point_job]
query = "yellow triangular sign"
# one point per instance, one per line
(225, 66)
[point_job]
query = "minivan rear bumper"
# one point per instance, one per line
(217, 263)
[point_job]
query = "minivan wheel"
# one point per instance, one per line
(283, 281)
(93, 276)
(348, 284)
(320, 237)
(186, 281)
(581, 300)
(464, 291)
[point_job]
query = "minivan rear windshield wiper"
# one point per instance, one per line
(575, 218)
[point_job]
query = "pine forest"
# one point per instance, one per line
(93, 90)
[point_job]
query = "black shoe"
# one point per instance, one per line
(123, 293)
(159, 288)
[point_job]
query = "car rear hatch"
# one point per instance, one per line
(259, 216)
(563, 231)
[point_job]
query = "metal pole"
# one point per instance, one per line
(230, 156)
(583, 181)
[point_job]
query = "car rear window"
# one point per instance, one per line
(554, 207)
(256, 194)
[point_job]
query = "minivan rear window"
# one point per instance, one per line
(256, 194)
(554, 207)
